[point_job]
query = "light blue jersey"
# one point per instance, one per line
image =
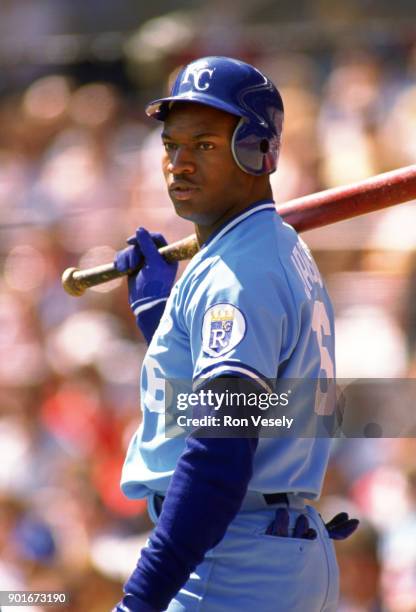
(251, 303)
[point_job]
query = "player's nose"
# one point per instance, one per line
(181, 162)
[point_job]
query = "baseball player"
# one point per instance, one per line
(233, 530)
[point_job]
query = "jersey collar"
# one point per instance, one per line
(233, 221)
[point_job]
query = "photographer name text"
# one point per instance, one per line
(229, 421)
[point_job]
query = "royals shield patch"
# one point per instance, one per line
(223, 328)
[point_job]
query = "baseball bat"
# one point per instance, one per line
(304, 213)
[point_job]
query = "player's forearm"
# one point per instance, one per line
(205, 494)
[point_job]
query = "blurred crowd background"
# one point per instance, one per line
(80, 170)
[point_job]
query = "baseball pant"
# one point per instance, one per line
(249, 571)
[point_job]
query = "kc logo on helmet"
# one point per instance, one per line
(201, 77)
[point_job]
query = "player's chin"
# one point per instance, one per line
(202, 215)
(182, 208)
(192, 215)
(190, 209)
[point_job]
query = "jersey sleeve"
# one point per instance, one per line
(238, 321)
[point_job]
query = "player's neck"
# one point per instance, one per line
(203, 232)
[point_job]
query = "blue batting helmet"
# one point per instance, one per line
(240, 89)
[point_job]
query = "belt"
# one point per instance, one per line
(276, 498)
(252, 501)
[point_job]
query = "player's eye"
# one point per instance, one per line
(170, 146)
(205, 146)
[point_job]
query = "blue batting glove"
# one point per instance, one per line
(130, 603)
(341, 526)
(150, 287)
(280, 524)
(301, 526)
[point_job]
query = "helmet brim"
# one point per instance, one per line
(159, 109)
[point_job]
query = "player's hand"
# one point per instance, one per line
(341, 526)
(130, 603)
(150, 287)
(156, 277)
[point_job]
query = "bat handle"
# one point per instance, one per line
(76, 281)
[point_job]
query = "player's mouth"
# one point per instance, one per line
(182, 190)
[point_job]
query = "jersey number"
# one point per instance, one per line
(155, 392)
(324, 400)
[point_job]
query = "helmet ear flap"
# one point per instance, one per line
(254, 151)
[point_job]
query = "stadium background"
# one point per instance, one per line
(79, 170)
